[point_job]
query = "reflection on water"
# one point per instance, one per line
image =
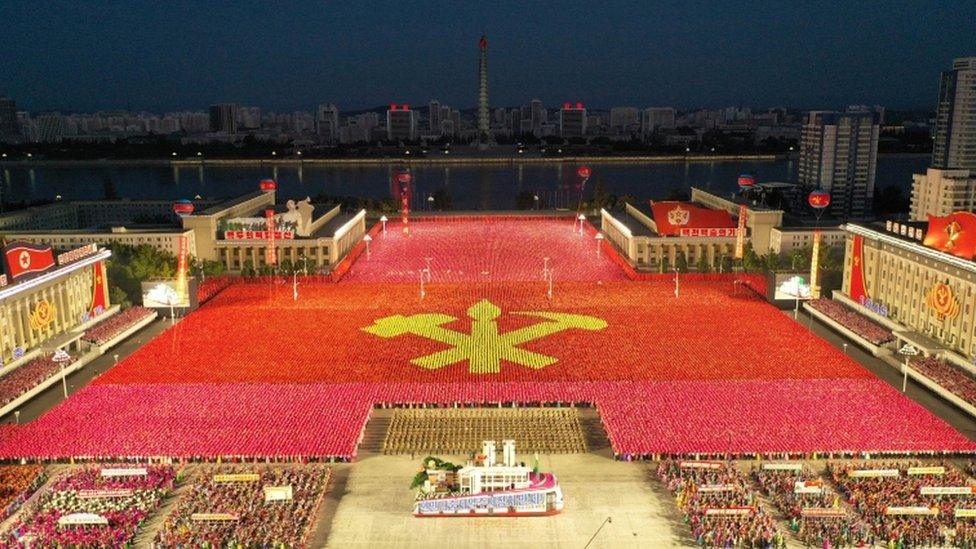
(491, 186)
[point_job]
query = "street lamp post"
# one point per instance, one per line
(383, 220)
(545, 268)
(430, 273)
(581, 219)
(62, 358)
(677, 284)
(599, 242)
(367, 239)
(423, 293)
(908, 351)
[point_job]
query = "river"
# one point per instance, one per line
(469, 186)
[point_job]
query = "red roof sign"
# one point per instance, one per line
(674, 218)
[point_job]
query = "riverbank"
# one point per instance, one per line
(399, 161)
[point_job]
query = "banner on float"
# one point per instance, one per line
(717, 488)
(237, 477)
(87, 519)
(965, 513)
(259, 235)
(782, 466)
(947, 490)
(214, 517)
(277, 493)
(920, 511)
(822, 512)
(701, 465)
(730, 511)
(872, 473)
(926, 470)
(104, 494)
(125, 472)
(808, 487)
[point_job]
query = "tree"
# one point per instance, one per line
(703, 266)
(771, 261)
(247, 269)
(681, 263)
(751, 262)
(799, 259)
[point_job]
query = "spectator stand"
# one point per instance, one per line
(856, 327)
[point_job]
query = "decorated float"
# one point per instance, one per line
(484, 488)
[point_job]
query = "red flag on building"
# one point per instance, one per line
(99, 301)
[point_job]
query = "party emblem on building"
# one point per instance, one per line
(679, 216)
(942, 302)
(484, 348)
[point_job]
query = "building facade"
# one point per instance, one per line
(42, 312)
(401, 123)
(327, 124)
(927, 295)
(954, 146)
(839, 153)
(484, 128)
(9, 126)
(223, 118)
(657, 118)
(572, 121)
(940, 192)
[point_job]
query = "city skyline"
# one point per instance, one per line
(142, 57)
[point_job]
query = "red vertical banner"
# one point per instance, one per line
(271, 256)
(815, 267)
(740, 236)
(99, 298)
(858, 292)
(181, 268)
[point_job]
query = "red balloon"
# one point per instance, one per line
(183, 207)
(268, 185)
(818, 199)
(584, 172)
(404, 177)
(746, 181)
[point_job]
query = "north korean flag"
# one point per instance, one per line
(24, 259)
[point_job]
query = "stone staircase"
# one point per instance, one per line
(375, 435)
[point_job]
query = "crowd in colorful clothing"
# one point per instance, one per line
(888, 496)
(950, 377)
(109, 508)
(17, 483)
(228, 507)
(27, 376)
(719, 506)
(873, 332)
(814, 511)
(106, 330)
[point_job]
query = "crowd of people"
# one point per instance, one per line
(469, 250)
(25, 377)
(17, 483)
(888, 496)
(861, 325)
(228, 506)
(94, 506)
(814, 511)
(108, 329)
(950, 377)
(719, 505)
(547, 430)
(208, 288)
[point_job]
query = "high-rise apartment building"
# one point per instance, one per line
(327, 123)
(955, 119)
(572, 120)
(9, 127)
(657, 118)
(940, 192)
(839, 153)
(401, 123)
(623, 119)
(434, 117)
(223, 118)
(50, 127)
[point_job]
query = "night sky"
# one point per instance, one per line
(158, 56)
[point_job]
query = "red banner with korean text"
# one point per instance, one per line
(181, 268)
(271, 257)
(99, 301)
(857, 291)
